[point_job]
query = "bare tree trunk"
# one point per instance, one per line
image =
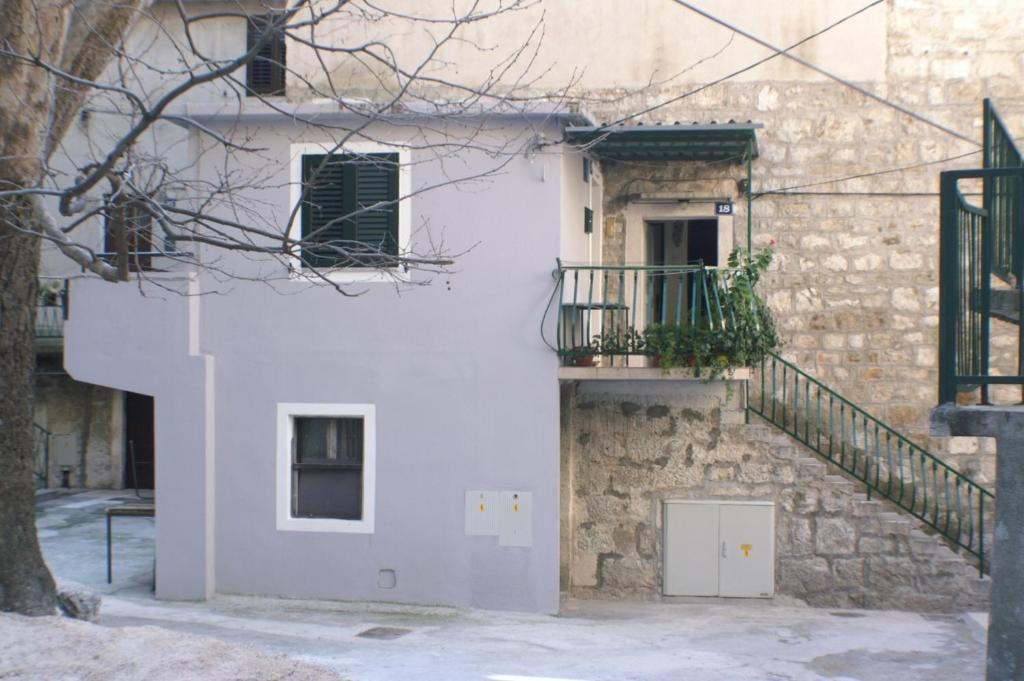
(26, 585)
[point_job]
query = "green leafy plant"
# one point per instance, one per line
(50, 294)
(618, 341)
(739, 332)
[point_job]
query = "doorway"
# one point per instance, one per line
(139, 447)
(672, 245)
(683, 242)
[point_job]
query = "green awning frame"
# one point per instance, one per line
(711, 142)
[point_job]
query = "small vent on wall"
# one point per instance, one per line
(387, 579)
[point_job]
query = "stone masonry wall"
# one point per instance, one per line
(630, 445)
(87, 425)
(855, 282)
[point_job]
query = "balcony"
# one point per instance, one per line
(706, 319)
(51, 312)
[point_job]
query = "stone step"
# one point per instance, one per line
(883, 530)
(811, 467)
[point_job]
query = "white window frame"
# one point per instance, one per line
(351, 275)
(286, 414)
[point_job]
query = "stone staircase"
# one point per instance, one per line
(837, 548)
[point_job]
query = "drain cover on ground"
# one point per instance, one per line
(384, 633)
(847, 613)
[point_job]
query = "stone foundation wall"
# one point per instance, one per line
(630, 445)
(87, 426)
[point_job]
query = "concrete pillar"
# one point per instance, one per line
(1005, 660)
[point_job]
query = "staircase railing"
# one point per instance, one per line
(1002, 197)
(981, 268)
(42, 442)
(888, 464)
(966, 268)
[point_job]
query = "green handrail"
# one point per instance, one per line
(1002, 198)
(42, 441)
(889, 464)
(966, 269)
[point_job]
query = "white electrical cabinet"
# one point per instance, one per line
(719, 548)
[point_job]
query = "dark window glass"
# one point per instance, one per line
(327, 467)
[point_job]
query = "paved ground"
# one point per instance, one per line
(589, 641)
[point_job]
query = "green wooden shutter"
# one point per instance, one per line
(264, 75)
(376, 189)
(323, 180)
(338, 186)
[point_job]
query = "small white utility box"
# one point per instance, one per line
(719, 548)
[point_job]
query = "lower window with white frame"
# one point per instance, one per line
(326, 462)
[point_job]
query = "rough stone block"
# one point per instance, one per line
(834, 500)
(834, 536)
(784, 474)
(802, 576)
(801, 500)
(872, 545)
(78, 601)
(848, 572)
(796, 536)
(584, 570)
(755, 473)
(889, 573)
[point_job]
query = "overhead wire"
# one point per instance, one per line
(817, 69)
(690, 93)
(792, 189)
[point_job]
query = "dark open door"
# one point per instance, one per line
(702, 242)
(139, 449)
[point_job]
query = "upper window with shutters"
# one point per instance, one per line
(351, 219)
(264, 76)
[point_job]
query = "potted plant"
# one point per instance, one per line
(51, 294)
(618, 341)
(740, 336)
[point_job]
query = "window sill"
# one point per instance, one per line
(291, 524)
(370, 275)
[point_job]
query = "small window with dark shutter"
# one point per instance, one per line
(265, 73)
(350, 210)
(128, 228)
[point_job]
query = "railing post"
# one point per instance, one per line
(981, 535)
(949, 285)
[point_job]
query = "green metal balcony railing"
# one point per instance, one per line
(50, 321)
(967, 299)
(981, 269)
(1002, 202)
(51, 310)
(606, 309)
(888, 464)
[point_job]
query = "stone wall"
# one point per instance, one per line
(86, 422)
(630, 445)
(855, 282)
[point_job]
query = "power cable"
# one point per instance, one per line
(817, 69)
(757, 63)
(791, 189)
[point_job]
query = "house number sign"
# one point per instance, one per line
(723, 208)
